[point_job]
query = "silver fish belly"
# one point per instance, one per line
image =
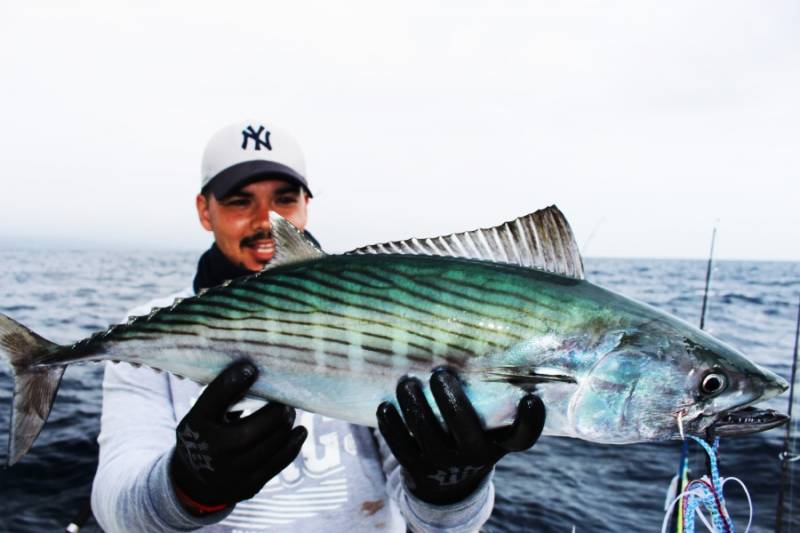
(333, 334)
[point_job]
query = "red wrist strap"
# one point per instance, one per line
(194, 507)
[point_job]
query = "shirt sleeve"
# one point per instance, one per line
(132, 489)
(465, 516)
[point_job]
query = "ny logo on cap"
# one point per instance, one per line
(250, 133)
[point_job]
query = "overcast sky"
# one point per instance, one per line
(643, 121)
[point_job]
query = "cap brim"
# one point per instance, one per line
(240, 174)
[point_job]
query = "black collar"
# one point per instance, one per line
(214, 268)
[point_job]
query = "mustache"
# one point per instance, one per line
(258, 236)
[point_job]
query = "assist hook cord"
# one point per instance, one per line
(707, 493)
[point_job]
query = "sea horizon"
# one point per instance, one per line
(89, 246)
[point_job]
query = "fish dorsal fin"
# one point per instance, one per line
(542, 240)
(291, 244)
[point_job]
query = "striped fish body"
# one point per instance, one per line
(335, 334)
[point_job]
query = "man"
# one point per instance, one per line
(175, 457)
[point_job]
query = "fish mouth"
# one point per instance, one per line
(746, 421)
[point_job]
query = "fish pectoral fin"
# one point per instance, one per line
(526, 377)
(291, 244)
(541, 240)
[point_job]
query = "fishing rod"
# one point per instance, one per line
(708, 279)
(80, 519)
(709, 267)
(786, 456)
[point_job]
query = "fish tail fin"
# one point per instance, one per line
(34, 386)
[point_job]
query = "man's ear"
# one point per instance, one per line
(202, 211)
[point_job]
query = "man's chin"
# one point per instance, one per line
(256, 260)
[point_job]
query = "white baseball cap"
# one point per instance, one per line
(250, 151)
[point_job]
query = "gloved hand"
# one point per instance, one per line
(443, 467)
(221, 459)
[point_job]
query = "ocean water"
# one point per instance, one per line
(560, 483)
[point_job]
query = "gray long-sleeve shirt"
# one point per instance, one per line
(345, 478)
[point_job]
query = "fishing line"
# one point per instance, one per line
(680, 482)
(711, 496)
(671, 507)
(746, 493)
(706, 493)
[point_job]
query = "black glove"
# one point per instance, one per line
(443, 467)
(222, 459)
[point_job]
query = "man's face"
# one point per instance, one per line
(240, 221)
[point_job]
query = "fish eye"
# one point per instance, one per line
(713, 383)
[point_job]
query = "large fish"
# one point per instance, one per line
(507, 307)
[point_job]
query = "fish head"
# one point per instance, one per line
(640, 389)
(722, 385)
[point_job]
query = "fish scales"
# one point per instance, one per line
(362, 317)
(390, 325)
(334, 334)
(414, 298)
(348, 315)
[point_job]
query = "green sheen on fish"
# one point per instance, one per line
(333, 334)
